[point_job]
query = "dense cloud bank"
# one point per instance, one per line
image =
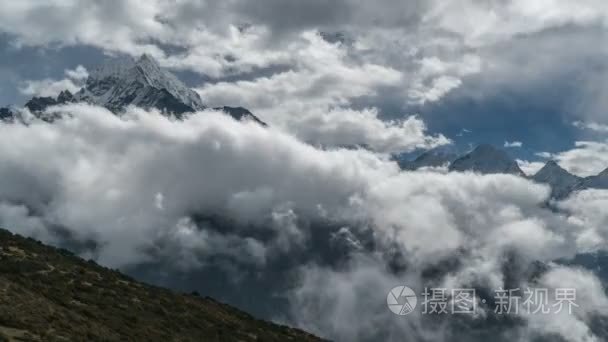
(212, 203)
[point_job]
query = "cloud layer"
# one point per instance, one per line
(587, 158)
(47, 87)
(335, 228)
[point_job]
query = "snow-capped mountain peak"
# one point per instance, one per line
(487, 159)
(142, 83)
(122, 82)
(561, 181)
(160, 78)
(552, 170)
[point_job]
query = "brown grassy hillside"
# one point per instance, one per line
(48, 294)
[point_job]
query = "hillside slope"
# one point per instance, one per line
(48, 294)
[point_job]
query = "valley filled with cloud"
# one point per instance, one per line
(332, 228)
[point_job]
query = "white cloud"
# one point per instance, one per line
(322, 74)
(428, 43)
(546, 155)
(309, 101)
(342, 127)
(590, 301)
(113, 26)
(439, 86)
(528, 167)
(483, 23)
(513, 144)
(109, 173)
(15, 215)
(100, 177)
(588, 158)
(593, 126)
(80, 73)
(47, 87)
(436, 78)
(587, 211)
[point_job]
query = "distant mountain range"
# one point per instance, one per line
(127, 82)
(487, 159)
(143, 83)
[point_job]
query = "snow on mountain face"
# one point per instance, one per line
(487, 159)
(126, 82)
(141, 83)
(561, 181)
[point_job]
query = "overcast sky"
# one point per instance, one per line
(475, 71)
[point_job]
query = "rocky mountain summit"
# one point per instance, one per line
(486, 159)
(561, 181)
(127, 82)
(142, 83)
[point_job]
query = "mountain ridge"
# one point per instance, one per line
(49, 294)
(599, 181)
(561, 181)
(437, 157)
(487, 159)
(122, 82)
(142, 83)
